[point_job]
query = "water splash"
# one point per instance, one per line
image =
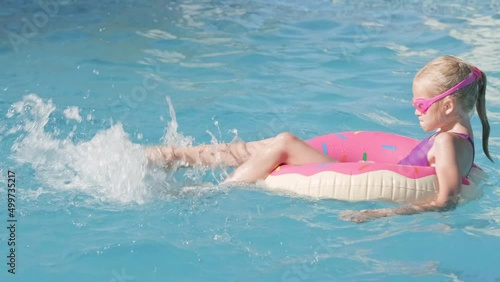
(171, 135)
(108, 167)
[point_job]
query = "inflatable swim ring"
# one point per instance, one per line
(367, 170)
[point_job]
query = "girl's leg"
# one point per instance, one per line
(230, 154)
(283, 149)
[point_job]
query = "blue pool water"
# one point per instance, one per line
(86, 83)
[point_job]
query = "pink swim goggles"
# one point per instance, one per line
(422, 104)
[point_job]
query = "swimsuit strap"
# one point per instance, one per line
(466, 136)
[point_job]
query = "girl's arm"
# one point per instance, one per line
(367, 215)
(449, 181)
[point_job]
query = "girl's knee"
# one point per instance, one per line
(284, 139)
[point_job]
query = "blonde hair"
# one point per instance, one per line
(446, 72)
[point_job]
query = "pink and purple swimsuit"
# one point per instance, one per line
(418, 156)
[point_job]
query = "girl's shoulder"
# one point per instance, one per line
(454, 139)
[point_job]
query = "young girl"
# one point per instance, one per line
(444, 94)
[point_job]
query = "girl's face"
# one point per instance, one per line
(432, 118)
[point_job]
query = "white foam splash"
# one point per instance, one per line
(108, 167)
(172, 136)
(73, 113)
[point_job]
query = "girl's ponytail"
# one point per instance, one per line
(481, 111)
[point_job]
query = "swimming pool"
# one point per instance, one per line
(86, 83)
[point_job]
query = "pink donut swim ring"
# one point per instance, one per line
(367, 170)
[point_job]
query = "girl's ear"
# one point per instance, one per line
(449, 105)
